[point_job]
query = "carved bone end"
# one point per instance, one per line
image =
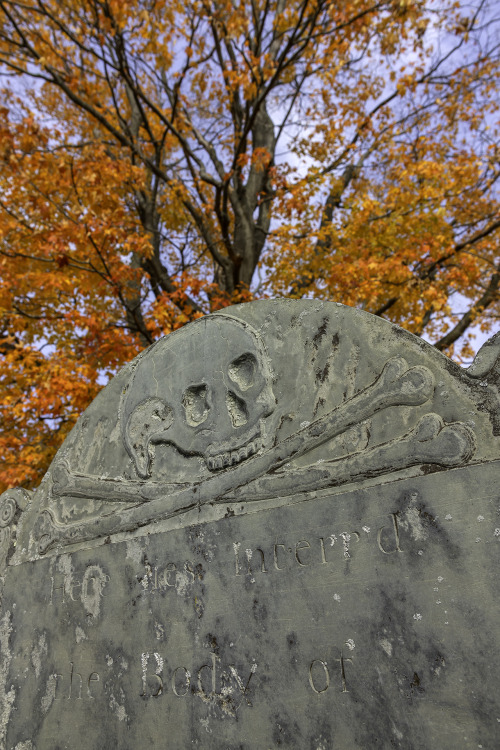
(147, 425)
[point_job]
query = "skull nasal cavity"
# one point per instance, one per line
(237, 410)
(242, 371)
(195, 404)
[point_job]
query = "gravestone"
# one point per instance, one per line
(276, 527)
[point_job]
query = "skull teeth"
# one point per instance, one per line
(230, 458)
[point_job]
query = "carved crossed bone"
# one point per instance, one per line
(397, 385)
(430, 442)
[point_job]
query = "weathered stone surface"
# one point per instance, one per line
(278, 527)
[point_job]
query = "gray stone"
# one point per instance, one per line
(277, 527)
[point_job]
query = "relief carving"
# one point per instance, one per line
(487, 359)
(12, 504)
(221, 411)
(215, 409)
(208, 416)
(431, 441)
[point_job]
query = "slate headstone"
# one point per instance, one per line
(277, 527)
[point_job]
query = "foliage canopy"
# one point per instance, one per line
(162, 159)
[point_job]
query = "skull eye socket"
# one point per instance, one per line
(242, 371)
(195, 404)
(237, 410)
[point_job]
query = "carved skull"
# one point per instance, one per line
(206, 389)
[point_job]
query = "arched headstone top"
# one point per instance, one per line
(258, 402)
